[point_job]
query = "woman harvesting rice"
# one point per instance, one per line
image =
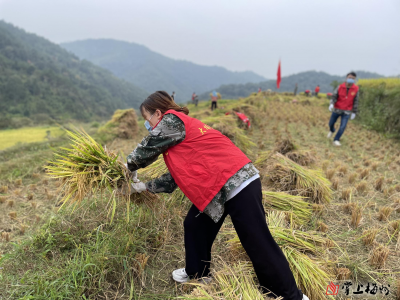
(219, 180)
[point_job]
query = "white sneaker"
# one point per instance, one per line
(180, 275)
(337, 143)
(329, 134)
(305, 297)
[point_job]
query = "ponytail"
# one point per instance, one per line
(161, 100)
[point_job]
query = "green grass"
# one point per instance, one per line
(11, 137)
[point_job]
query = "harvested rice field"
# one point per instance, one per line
(334, 211)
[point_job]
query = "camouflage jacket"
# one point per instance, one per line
(170, 132)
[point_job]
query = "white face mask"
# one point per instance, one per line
(147, 124)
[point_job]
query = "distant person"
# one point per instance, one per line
(344, 104)
(307, 92)
(214, 98)
(316, 91)
(259, 90)
(195, 99)
(173, 96)
(295, 89)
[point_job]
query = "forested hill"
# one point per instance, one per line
(152, 71)
(305, 80)
(39, 79)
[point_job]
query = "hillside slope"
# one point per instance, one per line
(305, 80)
(39, 78)
(152, 71)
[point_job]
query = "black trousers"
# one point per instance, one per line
(248, 217)
(213, 105)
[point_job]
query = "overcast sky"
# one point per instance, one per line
(334, 36)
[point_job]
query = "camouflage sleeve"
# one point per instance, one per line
(355, 102)
(164, 184)
(334, 96)
(169, 132)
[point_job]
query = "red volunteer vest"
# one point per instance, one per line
(345, 99)
(203, 162)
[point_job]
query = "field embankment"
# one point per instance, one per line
(380, 104)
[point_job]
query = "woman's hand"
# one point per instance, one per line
(133, 174)
(136, 187)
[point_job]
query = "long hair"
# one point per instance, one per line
(161, 100)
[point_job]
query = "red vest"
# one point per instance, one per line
(345, 99)
(203, 162)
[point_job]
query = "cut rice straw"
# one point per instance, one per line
(308, 272)
(230, 283)
(87, 168)
(285, 175)
(155, 170)
(297, 210)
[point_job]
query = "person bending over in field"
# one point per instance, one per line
(219, 180)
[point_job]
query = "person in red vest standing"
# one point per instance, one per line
(344, 104)
(219, 179)
(316, 91)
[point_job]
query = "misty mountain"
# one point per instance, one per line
(305, 80)
(39, 79)
(152, 71)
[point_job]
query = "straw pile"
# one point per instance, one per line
(87, 168)
(285, 146)
(285, 175)
(297, 211)
(230, 283)
(123, 124)
(302, 157)
(296, 246)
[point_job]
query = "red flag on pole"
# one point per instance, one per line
(278, 79)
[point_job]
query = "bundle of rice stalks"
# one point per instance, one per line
(155, 170)
(296, 209)
(306, 242)
(285, 146)
(123, 124)
(87, 168)
(228, 126)
(230, 283)
(262, 159)
(308, 273)
(285, 175)
(302, 157)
